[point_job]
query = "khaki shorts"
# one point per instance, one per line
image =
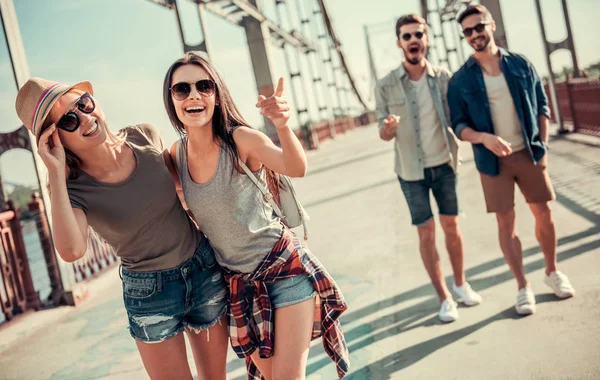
(533, 180)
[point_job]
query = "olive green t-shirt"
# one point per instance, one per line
(140, 217)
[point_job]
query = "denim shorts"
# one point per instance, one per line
(160, 304)
(289, 291)
(441, 180)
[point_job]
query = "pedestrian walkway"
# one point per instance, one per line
(360, 229)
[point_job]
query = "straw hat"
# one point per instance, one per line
(36, 98)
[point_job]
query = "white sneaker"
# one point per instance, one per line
(559, 282)
(448, 311)
(465, 293)
(525, 301)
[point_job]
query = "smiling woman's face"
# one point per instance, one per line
(92, 129)
(197, 109)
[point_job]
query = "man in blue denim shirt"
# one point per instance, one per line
(412, 111)
(497, 102)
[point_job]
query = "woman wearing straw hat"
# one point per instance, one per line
(171, 282)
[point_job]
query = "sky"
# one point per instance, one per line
(124, 47)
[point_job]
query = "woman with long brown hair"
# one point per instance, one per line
(119, 185)
(281, 297)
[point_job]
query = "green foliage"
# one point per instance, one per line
(21, 197)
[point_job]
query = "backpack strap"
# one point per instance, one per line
(263, 189)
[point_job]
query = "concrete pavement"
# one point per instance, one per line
(360, 229)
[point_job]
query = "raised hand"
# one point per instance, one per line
(497, 145)
(275, 107)
(52, 152)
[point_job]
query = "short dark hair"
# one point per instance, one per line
(409, 19)
(473, 10)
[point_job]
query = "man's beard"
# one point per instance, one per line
(486, 42)
(416, 60)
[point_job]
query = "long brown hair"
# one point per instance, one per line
(225, 117)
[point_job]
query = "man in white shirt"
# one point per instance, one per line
(412, 110)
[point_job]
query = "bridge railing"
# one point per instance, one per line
(17, 292)
(312, 134)
(99, 256)
(579, 104)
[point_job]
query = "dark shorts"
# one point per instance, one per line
(533, 180)
(441, 181)
(160, 304)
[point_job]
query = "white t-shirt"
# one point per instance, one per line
(432, 136)
(504, 115)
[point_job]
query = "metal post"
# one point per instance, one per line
(21, 265)
(569, 40)
(310, 54)
(328, 59)
(20, 68)
(337, 72)
(569, 85)
(203, 46)
(258, 38)
(324, 76)
(442, 35)
(370, 54)
(304, 21)
(424, 10)
(293, 74)
(548, 50)
(499, 35)
(36, 207)
(458, 42)
(2, 194)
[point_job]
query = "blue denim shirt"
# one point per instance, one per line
(469, 105)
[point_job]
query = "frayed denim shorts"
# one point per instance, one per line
(161, 304)
(287, 292)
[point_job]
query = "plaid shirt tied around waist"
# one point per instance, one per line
(251, 325)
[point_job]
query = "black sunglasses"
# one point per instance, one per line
(478, 28)
(408, 36)
(182, 90)
(70, 121)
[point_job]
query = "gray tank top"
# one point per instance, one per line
(232, 213)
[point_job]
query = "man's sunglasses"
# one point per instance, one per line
(70, 120)
(408, 36)
(478, 28)
(182, 90)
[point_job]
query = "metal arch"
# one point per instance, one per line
(16, 139)
(551, 47)
(235, 11)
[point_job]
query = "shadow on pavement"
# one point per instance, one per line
(383, 368)
(426, 289)
(408, 319)
(351, 192)
(348, 162)
(402, 321)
